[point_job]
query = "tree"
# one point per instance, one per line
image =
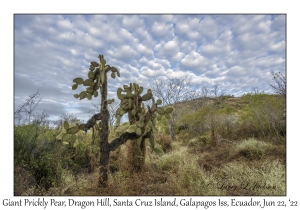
(28, 108)
(199, 96)
(217, 94)
(280, 83)
(172, 91)
(142, 119)
(256, 90)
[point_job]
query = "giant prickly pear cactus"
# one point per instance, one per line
(97, 80)
(142, 120)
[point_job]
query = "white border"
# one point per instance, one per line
(8, 9)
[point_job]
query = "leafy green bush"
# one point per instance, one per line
(266, 114)
(37, 151)
(35, 155)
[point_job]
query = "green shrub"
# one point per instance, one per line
(36, 155)
(265, 114)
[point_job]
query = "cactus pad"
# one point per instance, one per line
(91, 75)
(132, 128)
(138, 131)
(168, 110)
(78, 80)
(66, 125)
(92, 68)
(160, 111)
(95, 64)
(140, 90)
(167, 116)
(95, 93)
(74, 87)
(73, 137)
(65, 137)
(73, 130)
(89, 90)
(82, 95)
(158, 151)
(146, 97)
(89, 96)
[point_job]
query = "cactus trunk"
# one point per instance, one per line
(104, 146)
(136, 157)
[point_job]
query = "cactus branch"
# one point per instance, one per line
(91, 122)
(123, 139)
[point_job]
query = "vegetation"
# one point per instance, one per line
(226, 146)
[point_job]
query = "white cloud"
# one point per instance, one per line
(278, 47)
(162, 30)
(170, 48)
(218, 48)
(194, 61)
(187, 46)
(65, 24)
(234, 50)
(209, 28)
(269, 61)
(132, 22)
(124, 53)
(143, 50)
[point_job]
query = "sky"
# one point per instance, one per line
(235, 52)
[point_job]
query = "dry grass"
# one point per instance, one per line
(267, 178)
(249, 167)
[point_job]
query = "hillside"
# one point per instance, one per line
(222, 146)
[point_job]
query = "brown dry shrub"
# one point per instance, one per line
(23, 180)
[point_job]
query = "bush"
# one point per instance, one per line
(44, 157)
(252, 149)
(23, 180)
(266, 114)
(38, 157)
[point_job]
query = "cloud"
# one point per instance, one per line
(278, 47)
(143, 50)
(170, 48)
(195, 61)
(161, 30)
(132, 22)
(125, 53)
(235, 51)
